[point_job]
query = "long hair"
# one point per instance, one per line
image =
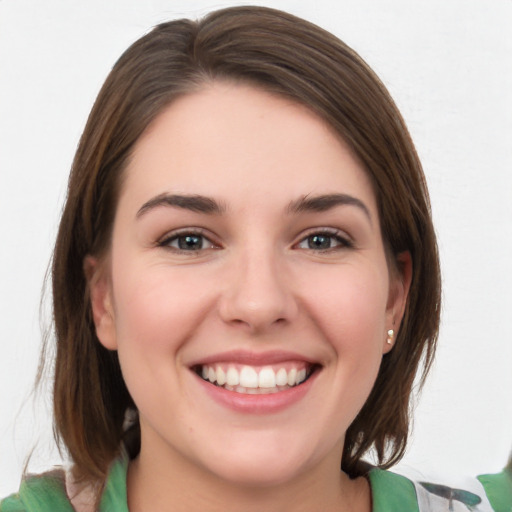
(289, 57)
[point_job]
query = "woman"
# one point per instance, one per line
(245, 279)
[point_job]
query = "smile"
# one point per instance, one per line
(256, 380)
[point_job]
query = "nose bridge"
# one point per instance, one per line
(258, 293)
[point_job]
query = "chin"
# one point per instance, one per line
(264, 462)
(256, 474)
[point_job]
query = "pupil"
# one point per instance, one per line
(190, 242)
(319, 242)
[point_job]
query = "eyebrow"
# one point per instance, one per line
(326, 202)
(207, 205)
(195, 203)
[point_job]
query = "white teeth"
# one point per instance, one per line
(255, 391)
(221, 376)
(232, 377)
(267, 378)
(281, 377)
(248, 377)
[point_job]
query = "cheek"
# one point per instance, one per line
(351, 306)
(352, 319)
(155, 315)
(154, 310)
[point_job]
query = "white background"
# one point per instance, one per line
(448, 63)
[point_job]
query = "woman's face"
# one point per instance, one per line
(247, 290)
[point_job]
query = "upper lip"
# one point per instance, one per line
(252, 358)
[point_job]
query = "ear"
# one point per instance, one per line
(400, 283)
(100, 295)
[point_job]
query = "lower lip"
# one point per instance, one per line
(258, 404)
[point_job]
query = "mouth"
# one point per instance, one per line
(256, 380)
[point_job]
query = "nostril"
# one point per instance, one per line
(257, 324)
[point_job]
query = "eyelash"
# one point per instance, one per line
(335, 236)
(166, 242)
(341, 240)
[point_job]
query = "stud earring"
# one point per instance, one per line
(391, 335)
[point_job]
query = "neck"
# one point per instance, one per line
(157, 483)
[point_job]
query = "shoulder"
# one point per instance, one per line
(12, 504)
(391, 491)
(499, 490)
(41, 493)
(49, 493)
(418, 493)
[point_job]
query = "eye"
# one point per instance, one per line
(188, 241)
(324, 241)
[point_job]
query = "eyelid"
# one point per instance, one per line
(165, 240)
(345, 240)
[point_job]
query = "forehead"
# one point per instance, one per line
(229, 139)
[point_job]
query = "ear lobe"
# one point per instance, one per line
(100, 295)
(400, 284)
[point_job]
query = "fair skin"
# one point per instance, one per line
(277, 268)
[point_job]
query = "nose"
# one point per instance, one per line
(257, 293)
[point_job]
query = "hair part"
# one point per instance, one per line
(297, 60)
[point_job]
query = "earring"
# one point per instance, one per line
(391, 335)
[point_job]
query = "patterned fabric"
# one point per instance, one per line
(390, 492)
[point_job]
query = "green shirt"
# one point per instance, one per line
(390, 493)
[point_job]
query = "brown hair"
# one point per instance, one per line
(289, 57)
